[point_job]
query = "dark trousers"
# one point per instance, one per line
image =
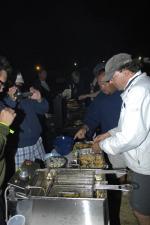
(2, 211)
(114, 201)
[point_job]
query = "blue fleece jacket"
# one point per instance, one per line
(27, 125)
(103, 112)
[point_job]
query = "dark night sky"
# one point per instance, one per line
(57, 34)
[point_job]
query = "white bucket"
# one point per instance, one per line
(16, 220)
(24, 207)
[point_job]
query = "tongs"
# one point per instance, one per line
(121, 187)
(114, 171)
(30, 188)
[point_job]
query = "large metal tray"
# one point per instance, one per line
(63, 182)
(66, 182)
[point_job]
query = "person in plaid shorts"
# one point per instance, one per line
(27, 141)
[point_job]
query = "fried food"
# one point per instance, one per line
(81, 145)
(91, 161)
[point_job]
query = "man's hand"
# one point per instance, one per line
(11, 92)
(36, 95)
(82, 97)
(101, 137)
(95, 148)
(80, 134)
(7, 116)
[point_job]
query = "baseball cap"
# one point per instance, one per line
(19, 78)
(98, 68)
(115, 63)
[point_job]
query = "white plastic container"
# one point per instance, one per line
(24, 207)
(16, 220)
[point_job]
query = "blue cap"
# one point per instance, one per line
(98, 68)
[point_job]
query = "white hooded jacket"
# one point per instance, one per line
(132, 136)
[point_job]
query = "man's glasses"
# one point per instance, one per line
(2, 83)
(104, 82)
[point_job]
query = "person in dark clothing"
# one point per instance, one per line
(27, 139)
(95, 87)
(103, 113)
(43, 86)
(78, 84)
(7, 116)
(98, 113)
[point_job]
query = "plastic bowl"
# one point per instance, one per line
(16, 220)
(63, 144)
(56, 162)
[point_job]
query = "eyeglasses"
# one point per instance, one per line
(104, 82)
(2, 83)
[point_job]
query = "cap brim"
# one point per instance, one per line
(108, 75)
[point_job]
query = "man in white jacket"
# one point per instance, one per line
(131, 138)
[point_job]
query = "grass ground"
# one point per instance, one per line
(126, 214)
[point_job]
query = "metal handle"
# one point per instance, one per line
(123, 187)
(21, 195)
(36, 187)
(115, 171)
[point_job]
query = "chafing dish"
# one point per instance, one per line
(86, 158)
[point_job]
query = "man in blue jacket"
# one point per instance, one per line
(103, 114)
(27, 138)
